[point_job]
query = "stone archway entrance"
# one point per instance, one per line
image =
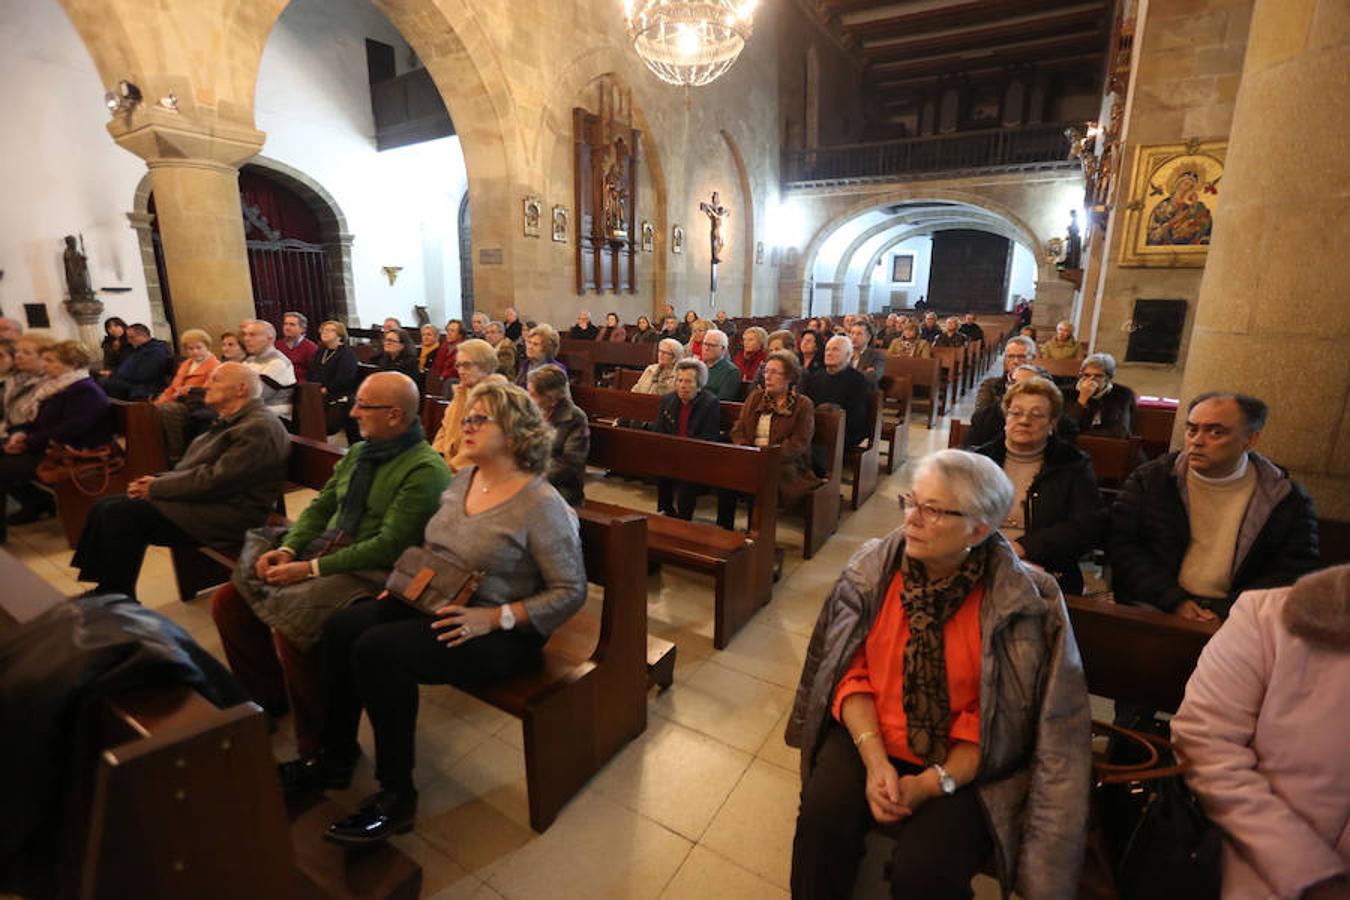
(306, 267)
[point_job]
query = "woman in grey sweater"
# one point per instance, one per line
(499, 517)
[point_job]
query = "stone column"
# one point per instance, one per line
(194, 170)
(1054, 303)
(1272, 318)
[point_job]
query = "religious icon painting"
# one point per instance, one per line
(534, 211)
(560, 224)
(1174, 197)
(677, 239)
(648, 237)
(759, 253)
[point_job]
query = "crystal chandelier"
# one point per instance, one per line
(689, 42)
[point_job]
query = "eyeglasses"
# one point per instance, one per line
(471, 424)
(1031, 415)
(928, 512)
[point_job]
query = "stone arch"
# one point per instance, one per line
(1025, 233)
(747, 214)
(336, 238)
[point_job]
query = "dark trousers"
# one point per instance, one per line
(275, 672)
(677, 498)
(16, 473)
(375, 653)
(726, 508)
(116, 534)
(938, 850)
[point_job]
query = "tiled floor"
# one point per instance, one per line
(700, 806)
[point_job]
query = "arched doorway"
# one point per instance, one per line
(465, 261)
(298, 248)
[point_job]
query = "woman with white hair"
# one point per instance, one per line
(1101, 407)
(1063, 345)
(943, 698)
(659, 377)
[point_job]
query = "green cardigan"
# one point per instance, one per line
(406, 493)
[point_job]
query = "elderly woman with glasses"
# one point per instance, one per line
(943, 699)
(659, 377)
(1101, 407)
(475, 360)
(1057, 513)
(499, 517)
(689, 411)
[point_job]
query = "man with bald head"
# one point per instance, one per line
(274, 368)
(842, 385)
(228, 481)
(10, 329)
(341, 549)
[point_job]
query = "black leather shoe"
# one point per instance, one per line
(29, 514)
(311, 774)
(380, 816)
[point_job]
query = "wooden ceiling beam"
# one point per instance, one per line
(1093, 42)
(900, 90)
(975, 14)
(985, 38)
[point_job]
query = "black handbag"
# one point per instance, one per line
(1160, 843)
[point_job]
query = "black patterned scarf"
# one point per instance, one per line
(928, 604)
(373, 455)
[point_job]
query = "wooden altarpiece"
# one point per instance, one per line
(607, 152)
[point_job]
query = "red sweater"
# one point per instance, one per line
(301, 355)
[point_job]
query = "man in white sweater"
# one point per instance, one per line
(273, 367)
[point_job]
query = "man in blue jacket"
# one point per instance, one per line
(144, 372)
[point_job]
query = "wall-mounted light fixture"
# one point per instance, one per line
(169, 102)
(391, 272)
(123, 98)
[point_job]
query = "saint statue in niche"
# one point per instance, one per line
(1073, 247)
(614, 190)
(77, 271)
(1182, 218)
(715, 212)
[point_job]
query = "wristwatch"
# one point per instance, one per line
(945, 780)
(508, 618)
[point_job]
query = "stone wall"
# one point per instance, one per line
(1187, 65)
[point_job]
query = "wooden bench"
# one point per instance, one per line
(1154, 425)
(185, 801)
(820, 510)
(626, 379)
(307, 411)
(741, 563)
(579, 709)
(136, 425)
(951, 363)
(1113, 459)
(895, 431)
(1135, 654)
(864, 462)
(923, 374)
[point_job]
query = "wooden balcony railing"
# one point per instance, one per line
(989, 149)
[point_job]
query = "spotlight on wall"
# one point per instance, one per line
(391, 272)
(122, 99)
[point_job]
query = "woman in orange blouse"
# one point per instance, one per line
(943, 700)
(197, 366)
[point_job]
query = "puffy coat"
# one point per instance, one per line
(1151, 530)
(1035, 743)
(1063, 510)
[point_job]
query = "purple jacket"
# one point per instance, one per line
(77, 416)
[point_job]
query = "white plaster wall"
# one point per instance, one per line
(402, 205)
(883, 289)
(62, 173)
(1022, 279)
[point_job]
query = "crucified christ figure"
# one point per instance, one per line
(716, 212)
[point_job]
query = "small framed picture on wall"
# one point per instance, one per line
(902, 268)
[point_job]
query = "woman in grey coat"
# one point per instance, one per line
(943, 699)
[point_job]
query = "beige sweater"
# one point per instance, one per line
(1217, 507)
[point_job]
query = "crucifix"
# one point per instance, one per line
(715, 212)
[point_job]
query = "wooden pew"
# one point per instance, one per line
(185, 801)
(589, 698)
(922, 374)
(307, 412)
(1134, 654)
(612, 354)
(626, 379)
(864, 462)
(1154, 425)
(895, 432)
(820, 508)
(951, 362)
(1060, 368)
(1113, 459)
(741, 563)
(136, 425)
